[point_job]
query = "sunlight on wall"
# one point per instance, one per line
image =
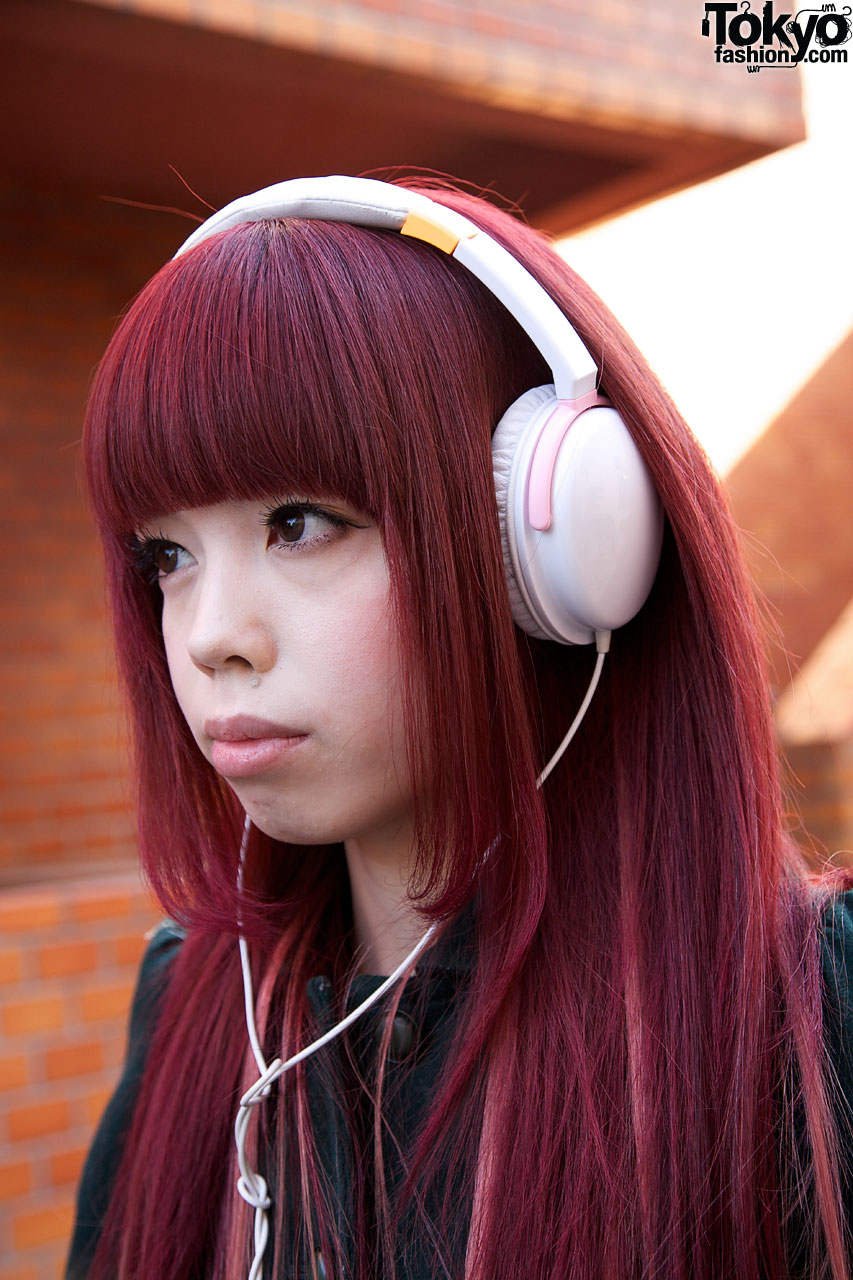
(818, 705)
(738, 289)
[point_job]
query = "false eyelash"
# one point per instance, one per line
(142, 550)
(273, 509)
(272, 512)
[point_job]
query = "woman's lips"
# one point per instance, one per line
(251, 755)
(244, 745)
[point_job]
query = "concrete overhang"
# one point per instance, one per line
(104, 100)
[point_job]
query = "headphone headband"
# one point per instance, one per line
(580, 522)
(370, 203)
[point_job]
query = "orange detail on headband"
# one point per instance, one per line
(421, 228)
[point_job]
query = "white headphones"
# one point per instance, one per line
(581, 523)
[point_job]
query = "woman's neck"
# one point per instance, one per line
(386, 925)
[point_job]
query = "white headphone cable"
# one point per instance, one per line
(602, 647)
(251, 1184)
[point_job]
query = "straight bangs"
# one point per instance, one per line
(248, 368)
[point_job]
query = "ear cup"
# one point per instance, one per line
(528, 411)
(592, 566)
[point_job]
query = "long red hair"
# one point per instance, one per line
(640, 1044)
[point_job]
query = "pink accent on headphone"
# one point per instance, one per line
(545, 452)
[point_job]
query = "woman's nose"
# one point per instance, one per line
(229, 627)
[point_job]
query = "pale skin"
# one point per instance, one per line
(283, 656)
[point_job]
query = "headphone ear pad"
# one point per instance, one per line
(591, 566)
(523, 415)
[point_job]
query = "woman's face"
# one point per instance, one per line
(283, 656)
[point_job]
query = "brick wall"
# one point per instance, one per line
(68, 960)
(68, 267)
(820, 789)
(791, 494)
(68, 951)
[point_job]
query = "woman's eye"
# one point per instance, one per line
(156, 558)
(298, 526)
(165, 558)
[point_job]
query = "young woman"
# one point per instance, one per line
(620, 1043)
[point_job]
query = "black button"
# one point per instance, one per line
(402, 1039)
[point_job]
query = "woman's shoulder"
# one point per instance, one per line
(105, 1153)
(837, 931)
(836, 935)
(164, 941)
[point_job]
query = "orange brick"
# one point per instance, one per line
(74, 1060)
(115, 1048)
(45, 848)
(102, 904)
(95, 1104)
(173, 10)
(112, 1001)
(65, 958)
(293, 28)
(38, 1119)
(42, 1226)
(14, 1072)
(66, 1166)
(15, 1179)
(235, 16)
(19, 1273)
(29, 909)
(129, 948)
(10, 966)
(40, 1013)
